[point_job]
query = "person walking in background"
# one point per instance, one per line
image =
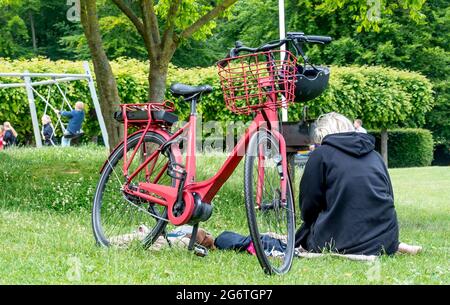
(9, 135)
(47, 131)
(358, 126)
(76, 118)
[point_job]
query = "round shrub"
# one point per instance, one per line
(409, 147)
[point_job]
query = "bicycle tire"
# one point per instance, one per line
(255, 214)
(109, 172)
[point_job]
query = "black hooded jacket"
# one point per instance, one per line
(346, 198)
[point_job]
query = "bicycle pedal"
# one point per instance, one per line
(200, 251)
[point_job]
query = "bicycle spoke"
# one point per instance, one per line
(115, 173)
(146, 211)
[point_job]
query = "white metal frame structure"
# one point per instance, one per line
(56, 78)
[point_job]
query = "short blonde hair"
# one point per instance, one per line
(331, 123)
(79, 105)
(46, 118)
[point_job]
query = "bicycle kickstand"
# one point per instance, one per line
(164, 233)
(199, 250)
(193, 237)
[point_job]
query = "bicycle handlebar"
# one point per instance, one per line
(234, 52)
(267, 47)
(301, 37)
(318, 39)
(295, 37)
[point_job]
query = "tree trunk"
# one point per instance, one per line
(106, 83)
(157, 81)
(384, 145)
(33, 32)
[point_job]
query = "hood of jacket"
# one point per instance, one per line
(353, 143)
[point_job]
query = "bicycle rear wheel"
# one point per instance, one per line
(271, 221)
(119, 219)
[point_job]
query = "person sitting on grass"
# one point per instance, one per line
(48, 132)
(346, 196)
(76, 118)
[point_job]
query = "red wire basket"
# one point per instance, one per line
(260, 80)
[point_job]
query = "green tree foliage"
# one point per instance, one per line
(369, 15)
(395, 40)
(380, 96)
(13, 31)
(256, 22)
(421, 47)
(392, 40)
(121, 38)
(119, 35)
(50, 23)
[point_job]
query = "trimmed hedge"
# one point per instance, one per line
(407, 147)
(377, 95)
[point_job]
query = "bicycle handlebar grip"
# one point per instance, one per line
(319, 39)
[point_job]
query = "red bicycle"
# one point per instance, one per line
(147, 180)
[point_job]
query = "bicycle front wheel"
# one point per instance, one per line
(119, 219)
(271, 221)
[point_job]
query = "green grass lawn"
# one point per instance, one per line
(46, 238)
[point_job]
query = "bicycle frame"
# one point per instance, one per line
(266, 119)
